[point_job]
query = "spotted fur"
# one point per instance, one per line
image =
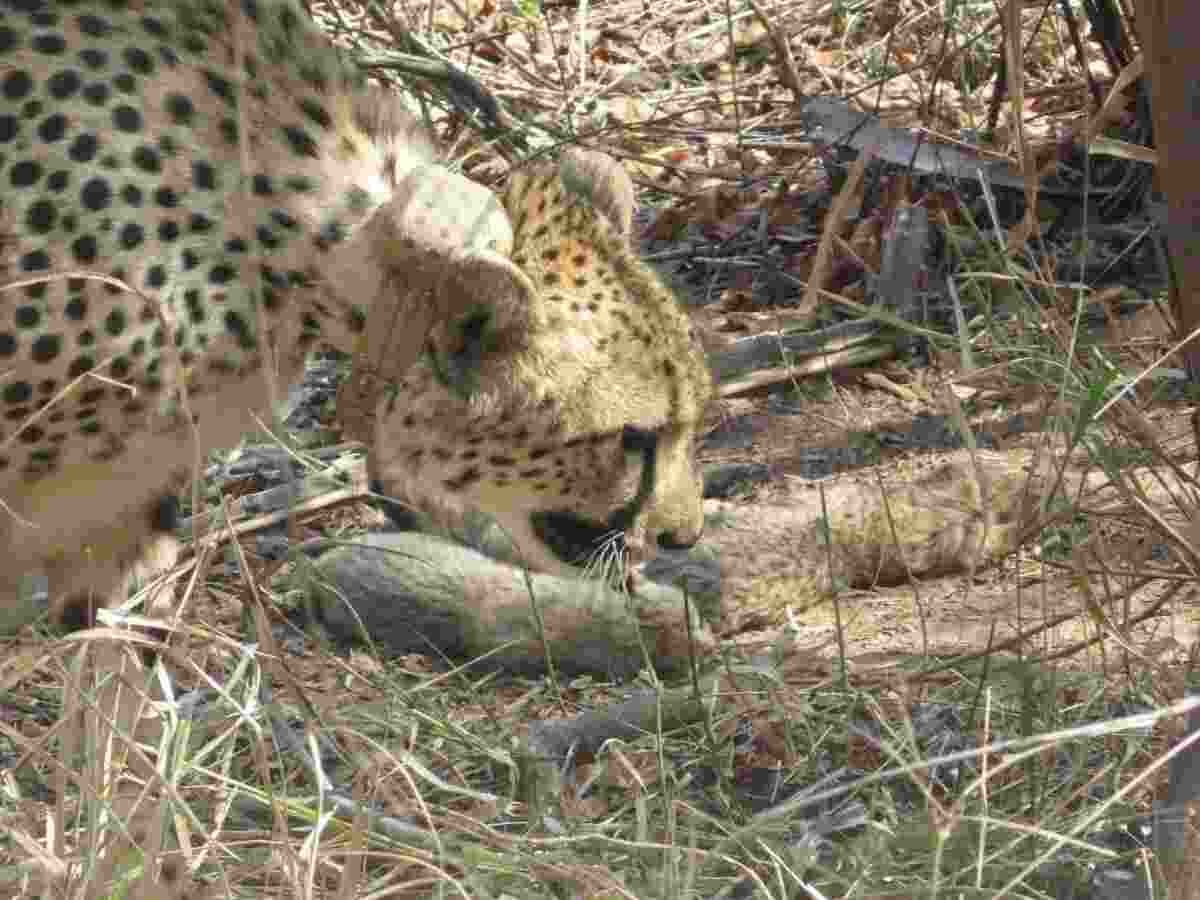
(577, 419)
(193, 194)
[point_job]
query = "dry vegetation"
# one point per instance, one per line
(873, 762)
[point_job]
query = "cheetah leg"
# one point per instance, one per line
(108, 708)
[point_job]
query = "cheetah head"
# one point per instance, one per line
(565, 396)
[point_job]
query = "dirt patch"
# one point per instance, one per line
(937, 550)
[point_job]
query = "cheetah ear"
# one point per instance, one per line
(463, 240)
(483, 280)
(604, 182)
(434, 253)
(494, 319)
(429, 241)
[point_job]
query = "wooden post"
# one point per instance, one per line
(1170, 37)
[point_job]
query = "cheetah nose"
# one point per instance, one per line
(679, 540)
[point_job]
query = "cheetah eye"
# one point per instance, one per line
(638, 440)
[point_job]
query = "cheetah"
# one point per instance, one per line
(194, 194)
(570, 407)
